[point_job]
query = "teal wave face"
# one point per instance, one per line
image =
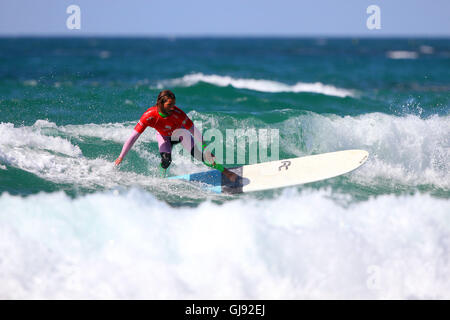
(407, 154)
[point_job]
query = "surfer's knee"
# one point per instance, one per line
(166, 159)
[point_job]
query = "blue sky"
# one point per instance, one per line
(226, 17)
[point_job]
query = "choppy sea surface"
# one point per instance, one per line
(74, 226)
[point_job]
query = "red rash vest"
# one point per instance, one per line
(165, 126)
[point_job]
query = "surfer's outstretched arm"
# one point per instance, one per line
(127, 146)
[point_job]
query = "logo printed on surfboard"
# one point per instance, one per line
(285, 164)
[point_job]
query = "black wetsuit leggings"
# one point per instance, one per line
(166, 157)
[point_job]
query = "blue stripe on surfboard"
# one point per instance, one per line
(211, 180)
(216, 189)
(183, 177)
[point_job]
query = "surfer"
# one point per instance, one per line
(165, 117)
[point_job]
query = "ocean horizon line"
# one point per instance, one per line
(227, 36)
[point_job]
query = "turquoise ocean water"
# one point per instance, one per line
(68, 105)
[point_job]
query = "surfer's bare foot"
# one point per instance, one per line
(230, 175)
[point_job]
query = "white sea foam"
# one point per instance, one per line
(35, 149)
(408, 149)
(104, 54)
(257, 85)
(116, 132)
(402, 55)
(31, 83)
(132, 246)
(426, 49)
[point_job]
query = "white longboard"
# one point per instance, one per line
(282, 173)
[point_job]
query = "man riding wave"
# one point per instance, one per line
(168, 120)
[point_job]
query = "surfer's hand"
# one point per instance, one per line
(230, 175)
(118, 161)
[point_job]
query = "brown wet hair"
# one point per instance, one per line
(163, 96)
